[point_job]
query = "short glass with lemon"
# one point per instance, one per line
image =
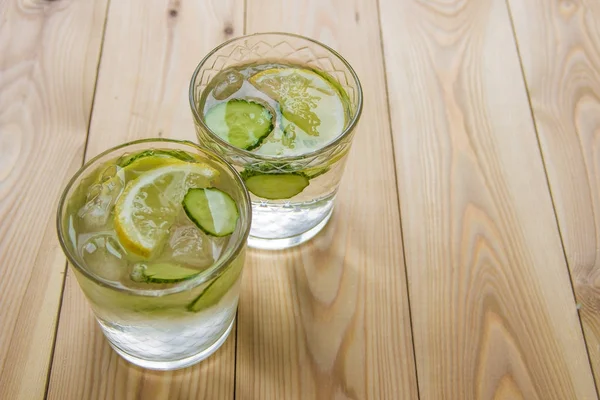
(155, 232)
(282, 109)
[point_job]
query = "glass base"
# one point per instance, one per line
(175, 364)
(284, 243)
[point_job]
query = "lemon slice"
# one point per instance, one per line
(307, 99)
(132, 165)
(150, 204)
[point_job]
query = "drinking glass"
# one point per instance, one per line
(159, 326)
(286, 222)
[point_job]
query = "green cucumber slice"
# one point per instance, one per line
(212, 210)
(178, 154)
(217, 288)
(275, 186)
(167, 273)
(244, 124)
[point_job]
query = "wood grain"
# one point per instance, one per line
(150, 51)
(493, 310)
(559, 44)
(330, 319)
(48, 58)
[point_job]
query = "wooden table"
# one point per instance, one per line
(462, 259)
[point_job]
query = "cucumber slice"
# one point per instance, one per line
(167, 273)
(211, 210)
(178, 154)
(244, 124)
(275, 186)
(217, 288)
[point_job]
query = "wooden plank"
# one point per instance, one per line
(150, 51)
(560, 50)
(493, 310)
(48, 59)
(330, 319)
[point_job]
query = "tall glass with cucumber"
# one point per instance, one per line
(282, 109)
(155, 232)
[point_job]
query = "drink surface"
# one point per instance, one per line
(152, 220)
(275, 109)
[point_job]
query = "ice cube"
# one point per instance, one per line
(188, 245)
(231, 82)
(103, 255)
(101, 198)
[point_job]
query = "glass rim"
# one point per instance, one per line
(334, 143)
(229, 255)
